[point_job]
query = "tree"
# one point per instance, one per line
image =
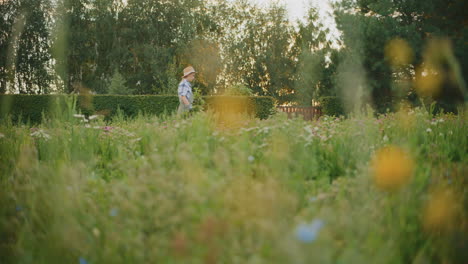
(257, 49)
(368, 26)
(314, 72)
(117, 85)
(8, 37)
(24, 46)
(73, 45)
(106, 17)
(155, 37)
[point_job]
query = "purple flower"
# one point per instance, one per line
(107, 128)
(83, 261)
(308, 233)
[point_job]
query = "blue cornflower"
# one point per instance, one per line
(308, 232)
(83, 260)
(114, 212)
(19, 208)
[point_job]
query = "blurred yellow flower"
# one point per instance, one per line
(428, 81)
(392, 167)
(231, 112)
(441, 211)
(406, 120)
(398, 52)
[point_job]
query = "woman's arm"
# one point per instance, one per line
(184, 100)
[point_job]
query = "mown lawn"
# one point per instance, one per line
(365, 189)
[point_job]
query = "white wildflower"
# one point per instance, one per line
(79, 116)
(385, 138)
(316, 128)
(40, 134)
(265, 130)
(96, 232)
(2, 135)
(428, 130)
(136, 140)
(441, 120)
(245, 129)
(93, 117)
(434, 123)
(251, 158)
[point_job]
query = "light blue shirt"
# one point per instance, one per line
(185, 89)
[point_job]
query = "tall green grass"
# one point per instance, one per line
(170, 190)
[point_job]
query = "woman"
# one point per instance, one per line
(185, 91)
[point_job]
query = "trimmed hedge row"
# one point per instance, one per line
(31, 107)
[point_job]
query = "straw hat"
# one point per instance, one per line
(188, 71)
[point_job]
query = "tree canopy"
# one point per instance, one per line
(73, 46)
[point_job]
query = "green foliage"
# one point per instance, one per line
(264, 106)
(311, 71)
(117, 85)
(316, 62)
(101, 192)
(198, 100)
(24, 46)
(25, 107)
(132, 105)
(238, 90)
(75, 46)
(257, 46)
(369, 26)
(31, 107)
(331, 106)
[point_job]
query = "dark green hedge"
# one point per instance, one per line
(31, 107)
(331, 105)
(129, 104)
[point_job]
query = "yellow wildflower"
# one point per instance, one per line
(441, 211)
(392, 167)
(398, 52)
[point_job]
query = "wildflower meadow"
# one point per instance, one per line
(233, 132)
(387, 188)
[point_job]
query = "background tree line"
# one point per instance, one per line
(141, 47)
